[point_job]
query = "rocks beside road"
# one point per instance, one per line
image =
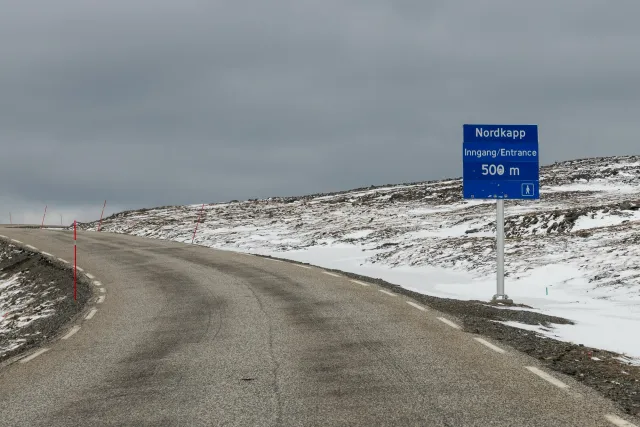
(36, 299)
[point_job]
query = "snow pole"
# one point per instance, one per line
(75, 262)
(100, 224)
(197, 222)
(45, 214)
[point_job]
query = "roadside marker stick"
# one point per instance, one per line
(75, 263)
(45, 214)
(197, 222)
(10, 218)
(100, 224)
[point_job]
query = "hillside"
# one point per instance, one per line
(575, 253)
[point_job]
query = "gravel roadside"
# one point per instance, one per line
(36, 299)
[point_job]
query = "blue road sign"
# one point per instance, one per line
(500, 162)
(500, 133)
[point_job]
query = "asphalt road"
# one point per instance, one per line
(189, 336)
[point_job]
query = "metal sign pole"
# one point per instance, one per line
(500, 249)
(500, 162)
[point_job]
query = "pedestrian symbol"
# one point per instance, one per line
(528, 189)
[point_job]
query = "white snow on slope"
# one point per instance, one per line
(575, 253)
(601, 219)
(19, 308)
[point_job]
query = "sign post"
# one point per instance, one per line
(500, 162)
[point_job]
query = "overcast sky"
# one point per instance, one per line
(157, 102)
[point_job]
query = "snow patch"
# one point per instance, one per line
(19, 308)
(575, 253)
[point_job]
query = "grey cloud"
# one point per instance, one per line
(160, 102)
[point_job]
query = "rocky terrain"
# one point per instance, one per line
(36, 299)
(588, 207)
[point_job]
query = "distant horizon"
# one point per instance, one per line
(321, 193)
(109, 212)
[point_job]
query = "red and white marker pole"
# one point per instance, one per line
(45, 214)
(197, 222)
(75, 262)
(100, 225)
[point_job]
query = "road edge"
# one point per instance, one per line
(424, 300)
(75, 320)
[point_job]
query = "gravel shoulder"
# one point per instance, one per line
(36, 299)
(604, 371)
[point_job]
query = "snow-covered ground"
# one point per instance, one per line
(575, 253)
(21, 304)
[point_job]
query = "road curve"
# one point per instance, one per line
(189, 336)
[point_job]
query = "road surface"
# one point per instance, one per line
(190, 336)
